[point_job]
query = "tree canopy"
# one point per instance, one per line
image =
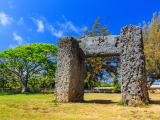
(151, 39)
(27, 60)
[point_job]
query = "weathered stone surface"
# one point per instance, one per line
(99, 46)
(133, 75)
(69, 82)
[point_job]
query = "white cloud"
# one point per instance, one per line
(58, 34)
(21, 21)
(18, 38)
(39, 23)
(40, 26)
(29, 29)
(29, 38)
(64, 28)
(4, 19)
(69, 26)
(55, 32)
(10, 5)
(12, 46)
(43, 18)
(72, 27)
(64, 18)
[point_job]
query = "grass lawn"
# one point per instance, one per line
(97, 106)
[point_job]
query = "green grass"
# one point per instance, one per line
(96, 106)
(35, 108)
(121, 103)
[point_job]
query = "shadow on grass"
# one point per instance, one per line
(36, 93)
(105, 93)
(154, 102)
(90, 101)
(27, 93)
(99, 101)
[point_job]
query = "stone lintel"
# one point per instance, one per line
(99, 46)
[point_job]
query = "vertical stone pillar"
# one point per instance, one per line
(69, 81)
(133, 75)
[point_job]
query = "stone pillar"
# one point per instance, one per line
(69, 81)
(133, 75)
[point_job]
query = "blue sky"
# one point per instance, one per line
(34, 21)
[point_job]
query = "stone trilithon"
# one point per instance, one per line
(69, 82)
(133, 74)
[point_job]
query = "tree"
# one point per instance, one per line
(48, 75)
(151, 39)
(116, 83)
(33, 81)
(4, 75)
(25, 61)
(94, 67)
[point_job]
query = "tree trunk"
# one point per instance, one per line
(89, 86)
(33, 87)
(12, 86)
(24, 86)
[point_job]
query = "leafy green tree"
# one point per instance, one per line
(4, 76)
(33, 81)
(13, 80)
(116, 84)
(95, 67)
(27, 60)
(49, 74)
(151, 39)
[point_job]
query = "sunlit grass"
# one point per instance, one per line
(96, 106)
